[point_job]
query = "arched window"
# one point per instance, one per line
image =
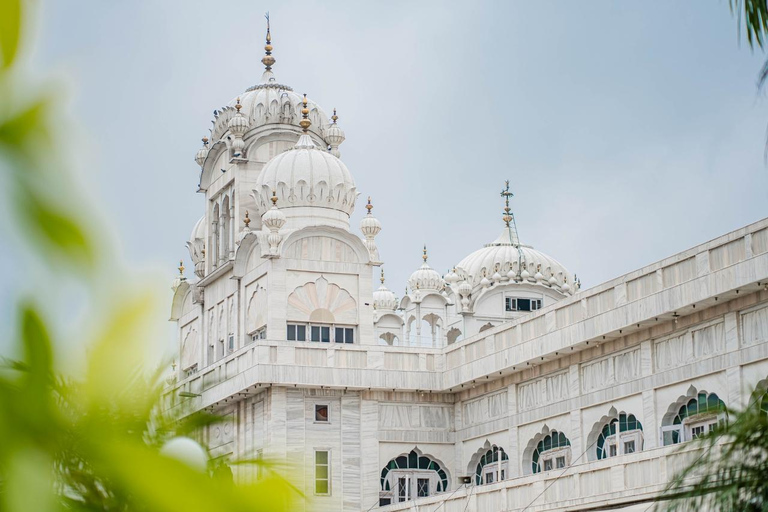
(214, 245)
(623, 434)
(409, 477)
(453, 335)
(695, 417)
(492, 466)
(552, 452)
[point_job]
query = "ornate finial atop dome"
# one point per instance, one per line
(509, 217)
(305, 122)
(424, 256)
(382, 275)
(238, 106)
(273, 198)
(268, 60)
(202, 153)
(334, 135)
(247, 220)
(370, 226)
(179, 278)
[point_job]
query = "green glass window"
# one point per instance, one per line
(552, 441)
(623, 423)
(494, 455)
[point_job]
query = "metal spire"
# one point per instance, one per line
(268, 60)
(509, 217)
(509, 221)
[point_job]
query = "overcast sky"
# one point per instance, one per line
(629, 131)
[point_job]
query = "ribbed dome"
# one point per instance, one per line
(426, 278)
(198, 232)
(501, 260)
(306, 176)
(384, 299)
(270, 103)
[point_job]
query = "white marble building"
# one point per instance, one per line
(499, 386)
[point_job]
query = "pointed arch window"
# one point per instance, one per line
(492, 467)
(699, 415)
(552, 452)
(411, 476)
(621, 435)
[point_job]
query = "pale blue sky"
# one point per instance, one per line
(630, 131)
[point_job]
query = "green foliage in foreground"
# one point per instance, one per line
(90, 443)
(94, 444)
(729, 471)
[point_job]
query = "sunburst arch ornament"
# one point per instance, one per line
(321, 301)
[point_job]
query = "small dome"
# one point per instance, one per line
(239, 123)
(384, 299)
(202, 153)
(370, 225)
(273, 218)
(306, 176)
(426, 278)
(198, 232)
(334, 134)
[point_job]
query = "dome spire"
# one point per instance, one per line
(268, 60)
(424, 255)
(305, 141)
(305, 123)
(509, 217)
(382, 276)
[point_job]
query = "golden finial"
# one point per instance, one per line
(238, 106)
(382, 275)
(424, 256)
(274, 198)
(334, 117)
(268, 60)
(247, 219)
(181, 267)
(305, 122)
(203, 252)
(369, 206)
(205, 141)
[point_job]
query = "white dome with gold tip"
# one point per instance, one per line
(507, 261)
(384, 299)
(426, 278)
(269, 102)
(307, 177)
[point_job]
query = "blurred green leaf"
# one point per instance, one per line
(754, 13)
(27, 128)
(54, 228)
(29, 484)
(10, 30)
(37, 352)
(118, 353)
